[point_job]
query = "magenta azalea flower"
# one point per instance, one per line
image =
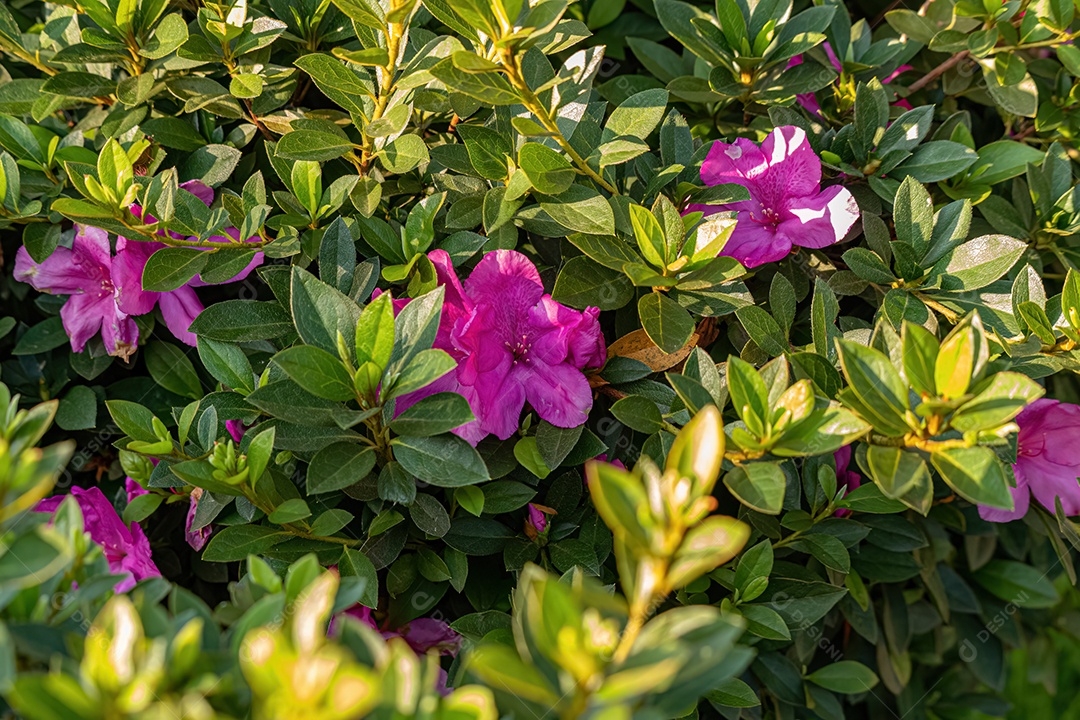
(126, 548)
(787, 205)
(513, 344)
(87, 274)
(196, 537)
(179, 307)
(844, 476)
(537, 519)
(422, 636)
(1047, 464)
(809, 101)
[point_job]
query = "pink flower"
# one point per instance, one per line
(809, 100)
(196, 538)
(134, 489)
(126, 548)
(179, 307)
(844, 476)
(236, 430)
(422, 635)
(86, 273)
(513, 344)
(1047, 463)
(787, 205)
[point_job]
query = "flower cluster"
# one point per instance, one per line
(106, 291)
(513, 343)
(787, 206)
(1047, 465)
(126, 547)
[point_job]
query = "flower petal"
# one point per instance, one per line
(508, 283)
(58, 274)
(180, 308)
(1021, 500)
(754, 243)
(82, 316)
(794, 169)
(499, 400)
(734, 162)
(559, 394)
(200, 190)
(119, 331)
(127, 270)
(820, 220)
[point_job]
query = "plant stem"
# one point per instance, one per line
(938, 71)
(386, 88)
(529, 99)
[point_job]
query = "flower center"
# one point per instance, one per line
(520, 349)
(767, 216)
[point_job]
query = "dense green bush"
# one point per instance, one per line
(523, 358)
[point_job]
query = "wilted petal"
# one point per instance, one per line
(119, 332)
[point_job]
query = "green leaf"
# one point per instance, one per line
(235, 543)
(242, 321)
(375, 332)
(881, 393)
(404, 154)
(896, 471)
(312, 145)
(171, 268)
(443, 460)
(338, 466)
(759, 486)
(1002, 400)
(172, 370)
(425, 368)
(1018, 584)
(638, 413)
(317, 371)
(228, 364)
(666, 323)
(936, 161)
(976, 263)
(845, 676)
(583, 283)
(580, 209)
(913, 215)
(650, 237)
(321, 312)
(433, 415)
(976, 474)
(290, 511)
(638, 115)
(548, 171)
(763, 330)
